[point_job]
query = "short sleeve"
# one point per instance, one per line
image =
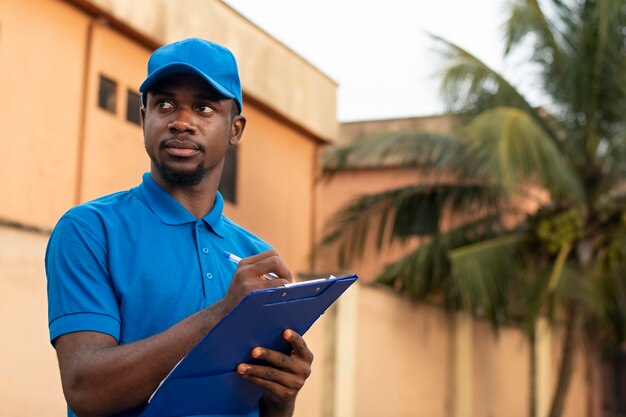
(81, 296)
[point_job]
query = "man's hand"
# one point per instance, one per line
(284, 376)
(249, 276)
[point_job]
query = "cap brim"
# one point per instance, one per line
(181, 68)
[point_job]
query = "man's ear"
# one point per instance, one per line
(237, 126)
(142, 113)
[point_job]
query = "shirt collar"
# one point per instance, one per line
(171, 212)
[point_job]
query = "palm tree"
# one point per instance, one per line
(566, 156)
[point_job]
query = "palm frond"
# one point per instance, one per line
(527, 18)
(484, 275)
(347, 233)
(607, 299)
(597, 91)
(511, 147)
(400, 214)
(612, 164)
(426, 271)
(470, 86)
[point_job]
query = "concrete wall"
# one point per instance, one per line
(29, 381)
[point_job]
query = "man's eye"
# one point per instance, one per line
(205, 109)
(165, 105)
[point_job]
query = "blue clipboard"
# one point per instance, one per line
(205, 380)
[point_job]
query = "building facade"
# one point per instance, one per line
(70, 131)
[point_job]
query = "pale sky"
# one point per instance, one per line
(378, 51)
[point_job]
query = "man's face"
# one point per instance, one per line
(187, 128)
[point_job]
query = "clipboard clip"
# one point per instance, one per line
(299, 291)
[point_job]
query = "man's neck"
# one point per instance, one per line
(197, 199)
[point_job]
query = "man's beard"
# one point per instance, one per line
(182, 178)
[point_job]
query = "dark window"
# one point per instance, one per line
(133, 104)
(107, 94)
(421, 216)
(228, 183)
(419, 226)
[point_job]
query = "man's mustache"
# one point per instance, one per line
(178, 142)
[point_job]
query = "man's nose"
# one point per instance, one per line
(183, 122)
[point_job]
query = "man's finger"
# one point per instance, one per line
(279, 382)
(300, 348)
(276, 390)
(265, 263)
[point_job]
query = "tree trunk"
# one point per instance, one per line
(532, 339)
(570, 343)
(593, 377)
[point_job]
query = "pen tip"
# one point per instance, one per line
(226, 254)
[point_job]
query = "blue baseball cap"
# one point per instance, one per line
(210, 61)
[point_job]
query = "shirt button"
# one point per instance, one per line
(205, 250)
(209, 276)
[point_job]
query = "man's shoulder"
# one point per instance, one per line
(109, 202)
(105, 208)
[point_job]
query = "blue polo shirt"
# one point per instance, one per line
(134, 263)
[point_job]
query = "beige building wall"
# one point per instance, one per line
(393, 357)
(29, 381)
(275, 186)
(501, 372)
(41, 80)
(401, 357)
(269, 70)
(62, 149)
(113, 157)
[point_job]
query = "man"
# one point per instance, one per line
(137, 278)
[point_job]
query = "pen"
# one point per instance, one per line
(236, 259)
